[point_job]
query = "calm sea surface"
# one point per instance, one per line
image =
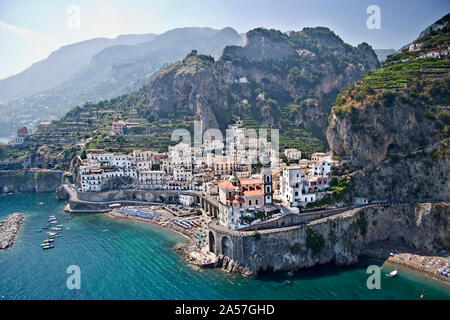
(125, 260)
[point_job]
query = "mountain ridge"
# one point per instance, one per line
(113, 71)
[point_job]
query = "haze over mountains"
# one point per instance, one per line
(98, 69)
(60, 66)
(382, 54)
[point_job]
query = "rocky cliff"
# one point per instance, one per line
(395, 150)
(393, 127)
(30, 181)
(341, 240)
(187, 87)
(274, 79)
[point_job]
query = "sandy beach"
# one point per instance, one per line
(423, 262)
(194, 251)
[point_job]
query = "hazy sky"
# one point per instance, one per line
(31, 29)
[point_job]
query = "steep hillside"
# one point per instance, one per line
(393, 125)
(278, 80)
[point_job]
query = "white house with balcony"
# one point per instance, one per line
(291, 184)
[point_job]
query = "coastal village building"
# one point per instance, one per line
(415, 47)
(210, 188)
(317, 156)
(182, 174)
(91, 177)
(20, 137)
(240, 198)
(186, 200)
(118, 127)
(315, 184)
(300, 184)
(224, 166)
(323, 166)
(152, 179)
(22, 132)
(18, 140)
(293, 154)
(292, 186)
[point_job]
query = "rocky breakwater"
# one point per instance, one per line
(9, 229)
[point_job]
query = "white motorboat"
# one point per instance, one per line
(393, 274)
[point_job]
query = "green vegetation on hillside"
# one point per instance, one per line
(423, 81)
(340, 187)
(314, 241)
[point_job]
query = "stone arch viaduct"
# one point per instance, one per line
(89, 202)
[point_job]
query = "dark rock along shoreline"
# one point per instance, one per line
(9, 229)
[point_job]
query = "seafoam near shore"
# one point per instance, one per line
(191, 250)
(424, 263)
(9, 229)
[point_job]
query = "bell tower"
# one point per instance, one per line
(267, 182)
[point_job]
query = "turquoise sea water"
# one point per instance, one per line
(125, 260)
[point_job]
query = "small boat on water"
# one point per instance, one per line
(56, 229)
(393, 274)
(48, 247)
(60, 225)
(53, 222)
(49, 240)
(38, 230)
(45, 228)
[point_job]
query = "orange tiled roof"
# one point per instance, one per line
(226, 185)
(250, 181)
(254, 193)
